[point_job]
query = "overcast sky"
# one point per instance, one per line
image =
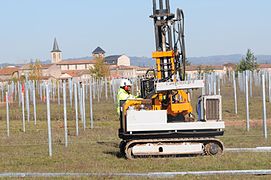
(213, 27)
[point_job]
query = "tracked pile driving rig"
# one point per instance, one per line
(161, 123)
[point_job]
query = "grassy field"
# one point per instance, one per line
(96, 150)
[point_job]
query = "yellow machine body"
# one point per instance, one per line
(179, 100)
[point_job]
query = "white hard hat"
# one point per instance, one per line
(125, 82)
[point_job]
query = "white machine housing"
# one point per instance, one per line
(156, 120)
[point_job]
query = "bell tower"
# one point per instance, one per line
(56, 53)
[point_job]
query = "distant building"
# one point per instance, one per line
(56, 53)
(193, 71)
(119, 60)
(47, 70)
(98, 53)
(230, 67)
(9, 73)
(265, 67)
(127, 71)
(83, 64)
(77, 75)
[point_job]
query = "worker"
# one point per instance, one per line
(124, 92)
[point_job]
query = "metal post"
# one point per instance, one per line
(84, 107)
(19, 94)
(2, 94)
(27, 103)
(70, 88)
(81, 104)
(53, 91)
(106, 94)
(34, 103)
(15, 92)
(41, 92)
(76, 109)
(7, 113)
(214, 83)
(65, 114)
(110, 88)
(98, 90)
(58, 93)
(269, 87)
(250, 83)
(209, 85)
(114, 92)
(49, 122)
(245, 75)
(247, 101)
(94, 88)
(234, 91)
(201, 104)
(218, 85)
(264, 107)
(90, 105)
(23, 112)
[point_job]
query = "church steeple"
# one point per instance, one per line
(56, 53)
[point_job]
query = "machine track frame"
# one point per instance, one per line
(212, 146)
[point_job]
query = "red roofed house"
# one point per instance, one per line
(265, 67)
(9, 73)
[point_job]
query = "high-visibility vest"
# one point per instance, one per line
(123, 95)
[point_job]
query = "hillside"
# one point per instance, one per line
(207, 60)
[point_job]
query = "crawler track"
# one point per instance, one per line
(211, 146)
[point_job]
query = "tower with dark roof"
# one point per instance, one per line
(56, 53)
(98, 53)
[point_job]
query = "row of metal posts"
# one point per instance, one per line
(245, 81)
(49, 90)
(96, 88)
(212, 84)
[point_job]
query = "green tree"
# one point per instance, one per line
(248, 63)
(100, 69)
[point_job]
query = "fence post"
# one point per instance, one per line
(214, 83)
(247, 100)
(27, 102)
(7, 113)
(250, 82)
(264, 107)
(106, 94)
(76, 109)
(84, 106)
(218, 85)
(34, 103)
(2, 94)
(114, 91)
(23, 112)
(235, 95)
(269, 87)
(98, 90)
(58, 93)
(90, 105)
(49, 122)
(65, 114)
(70, 88)
(19, 94)
(81, 103)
